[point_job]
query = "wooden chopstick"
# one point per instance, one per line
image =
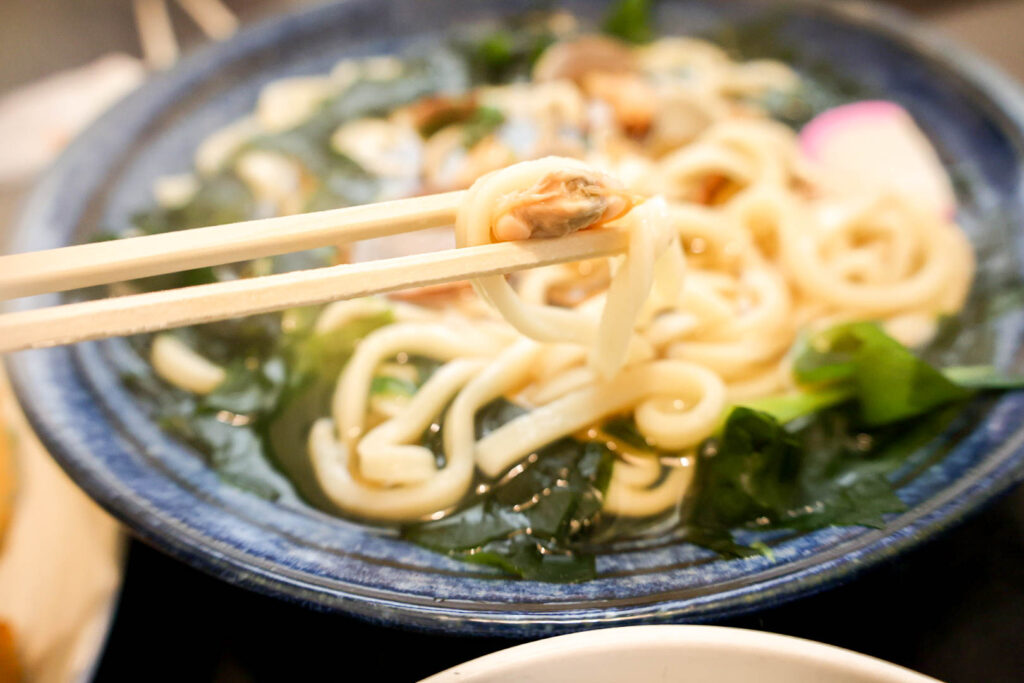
(100, 263)
(137, 313)
(212, 16)
(156, 33)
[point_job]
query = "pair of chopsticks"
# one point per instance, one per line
(156, 30)
(101, 263)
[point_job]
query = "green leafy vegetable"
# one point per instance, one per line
(261, 413)
(483, 122)
(760, 475)
(983, 377)
(340, 180)
(235, 452)
(832, 468)
(888, 381)
(498, 50)
(749, 472)
(246, 392)
(528, 558)
(314, 362)
(528, 525)
(788, 407)
(392, 386)
(277, 382)
(222, 198)
(222, 425)
(507, 54)
(858, 361)
(630, 20)
(625, 430)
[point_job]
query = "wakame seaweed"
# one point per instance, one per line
(823, 457)
(630, 20)
(759, 474)
(508, 53)
(273, 375)
(529, 524)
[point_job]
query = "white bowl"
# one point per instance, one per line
(668, 654)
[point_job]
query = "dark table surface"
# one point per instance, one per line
(953, 609)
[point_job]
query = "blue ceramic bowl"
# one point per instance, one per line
(165, 492)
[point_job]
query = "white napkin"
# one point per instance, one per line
(39, 119)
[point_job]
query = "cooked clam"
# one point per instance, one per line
(559, 204)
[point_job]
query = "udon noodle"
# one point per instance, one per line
(737, 244)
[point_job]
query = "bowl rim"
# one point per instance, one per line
(234, 565)
(624, 641)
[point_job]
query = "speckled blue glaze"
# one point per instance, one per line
(162, 489)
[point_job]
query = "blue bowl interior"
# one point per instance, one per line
(104, 438)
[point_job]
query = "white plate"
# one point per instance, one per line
(670, 654)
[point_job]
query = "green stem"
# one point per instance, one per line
(982, 377)
(788, 407)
